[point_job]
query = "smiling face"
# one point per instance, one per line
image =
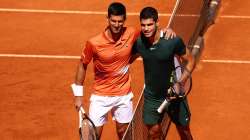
(148, 27)
(116, 23)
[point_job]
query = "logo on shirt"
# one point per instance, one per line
(151, 49)
(125, 45)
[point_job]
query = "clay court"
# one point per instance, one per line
(41, 42)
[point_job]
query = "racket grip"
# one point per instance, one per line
(80, 118)
(80, 113)
(82, 110)
(162, 106)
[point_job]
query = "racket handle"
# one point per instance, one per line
(80, 118)
(162, 106)
(82, 110)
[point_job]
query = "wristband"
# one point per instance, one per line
(77, 89)
(197, 46)
(214, 2)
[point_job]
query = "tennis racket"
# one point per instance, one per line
(176, 90)
(87, 129)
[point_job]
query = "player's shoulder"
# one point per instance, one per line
(96, 39)
(178, 38)
(131, 29)
(97, 36)
(175, 39)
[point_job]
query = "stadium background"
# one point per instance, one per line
(36, 101)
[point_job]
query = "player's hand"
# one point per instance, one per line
(168, 33)
(78, 102)
(179, 89)
(173, 92)
(78, 93)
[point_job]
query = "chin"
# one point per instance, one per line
(116, 32)
(147, 35)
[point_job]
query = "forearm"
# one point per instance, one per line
(80, 74)
(77, 86)
(133, 58)
(191, 64)
(188, 69)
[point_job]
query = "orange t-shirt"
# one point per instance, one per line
(111, 62)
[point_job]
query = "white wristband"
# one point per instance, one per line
(214, 2)
(197, 46)
(77, 90)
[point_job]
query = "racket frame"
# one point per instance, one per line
(168, 100)
(82, 116)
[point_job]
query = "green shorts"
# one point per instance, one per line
(178, 111)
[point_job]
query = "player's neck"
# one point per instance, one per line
(154, 39)
(113, 36)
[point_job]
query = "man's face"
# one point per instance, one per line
(116, 23)
(148, 27)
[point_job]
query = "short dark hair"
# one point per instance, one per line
(117, 9)
(149, 12)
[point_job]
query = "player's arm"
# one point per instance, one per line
(134, 53)
(167, 33)
(133, 57)
(210, 15)
(77, 87)
(187, 58)
(80, 73)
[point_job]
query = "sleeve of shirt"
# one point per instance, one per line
(137, 33)
(134, 48)
(180, 48)
(87, 53)
(136, 36)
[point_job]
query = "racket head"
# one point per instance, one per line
(187, 86)
(176, 90)
(182, 88)
(87, 129)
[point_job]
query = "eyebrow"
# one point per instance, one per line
(147, 24)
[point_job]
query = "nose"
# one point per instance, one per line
(116, 24)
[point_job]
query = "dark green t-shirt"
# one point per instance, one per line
(158, 61)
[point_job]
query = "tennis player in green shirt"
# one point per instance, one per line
(158, 60)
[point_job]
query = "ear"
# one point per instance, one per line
(107, 18)
(157, 23)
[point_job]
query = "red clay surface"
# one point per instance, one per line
(36, 101)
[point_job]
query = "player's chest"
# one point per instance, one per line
(157, 52)
(112, 51)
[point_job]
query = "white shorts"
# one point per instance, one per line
(121, 108)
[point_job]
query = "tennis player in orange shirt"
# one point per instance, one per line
(110, 51)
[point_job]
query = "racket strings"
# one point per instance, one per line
(87, 128)
(173, 93)
(176, 89)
